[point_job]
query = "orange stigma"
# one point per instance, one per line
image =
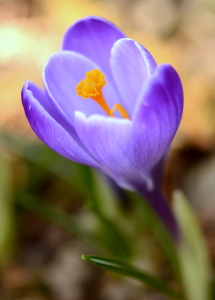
(120, 109)
(91, 87)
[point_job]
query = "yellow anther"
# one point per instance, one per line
(86, 90)
(91, 87)
(96, 78)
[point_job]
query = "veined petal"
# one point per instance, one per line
(109, 140)
(63, 71)
(94, 38)
(131, 65)
(156, 117)
(48, 129)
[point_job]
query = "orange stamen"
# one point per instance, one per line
(121, 110)
(91, 87)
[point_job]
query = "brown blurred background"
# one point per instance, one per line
(180, 32)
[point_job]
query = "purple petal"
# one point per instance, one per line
(51, 109)
(62, 73)
(48, 129)
(131, 65)
(156, 118)
(109, 140)
(94, 38)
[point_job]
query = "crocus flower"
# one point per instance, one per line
(108, 105)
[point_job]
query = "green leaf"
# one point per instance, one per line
(97, 232)
(160, 232)
(130, 271)
(113, 239)
(105, 206)
(192, 251)
(106, 201)
(57, 216)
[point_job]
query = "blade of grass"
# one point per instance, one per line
(130, 271)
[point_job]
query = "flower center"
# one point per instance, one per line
(91, 87)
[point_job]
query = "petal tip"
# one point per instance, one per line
(85, 23)
(25, 91)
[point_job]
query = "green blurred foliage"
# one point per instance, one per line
(7, 222)
(193, 254)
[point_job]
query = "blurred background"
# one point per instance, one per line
(49, 208)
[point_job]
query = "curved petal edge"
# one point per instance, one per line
(48, 129)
